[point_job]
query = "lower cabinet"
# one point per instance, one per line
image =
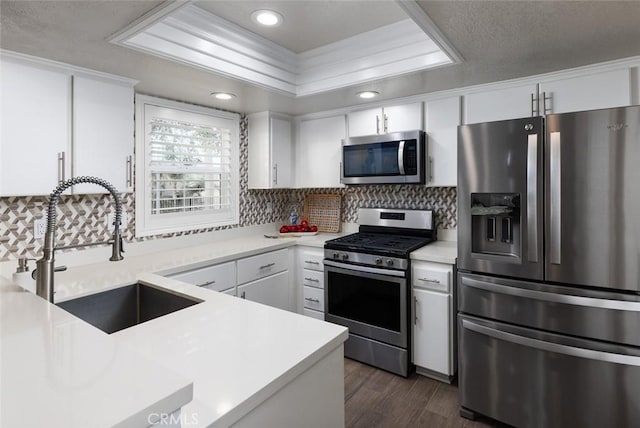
(272, 290)
(310, 282)
(433, 324)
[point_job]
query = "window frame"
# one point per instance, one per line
(145, 223)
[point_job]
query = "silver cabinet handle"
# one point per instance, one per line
(385, 122)
(590, 302)
(534, 106)
(312, 280)
(532, 198)
(377, 124)
(557, 348)
(555, 173)
(430, 169)
(435, 281)
(129, 171)
(275, 174)
(311, 262)
(312, 300)
(341, 174)
(401, 157)
(243, 295)
(415, 311)
(61, 167)
(204, 284)
(266, 266)
(544, 103)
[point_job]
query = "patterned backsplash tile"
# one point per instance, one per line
(83, 218)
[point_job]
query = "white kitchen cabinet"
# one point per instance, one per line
(501, 104)
(270, 151)
(310, 280)
(442, 117)
(272, 290)
(262, 265)
(384, 120)
(221, 277)
(35, 128)
(319, 152)
(102, 133)
(58, 122)
(433, 320)
(588, 92)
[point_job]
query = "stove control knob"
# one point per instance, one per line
(378, 261)
(336, 255)
(389, 262)
(345, 256)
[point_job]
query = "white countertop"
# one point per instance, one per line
(58, 371)
(237, 353)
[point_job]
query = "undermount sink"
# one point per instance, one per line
(124, 307)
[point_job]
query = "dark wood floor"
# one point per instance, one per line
(375, 398)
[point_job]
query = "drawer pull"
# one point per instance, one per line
(311, 262)
(312, 279)
(435, 281)
(207, 283)
(312, 300)
(267, 266)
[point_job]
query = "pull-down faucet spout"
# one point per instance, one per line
(45, 266)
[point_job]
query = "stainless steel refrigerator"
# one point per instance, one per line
(549, 269)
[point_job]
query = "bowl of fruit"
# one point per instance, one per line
(302, 229)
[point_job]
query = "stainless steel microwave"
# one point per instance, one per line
(394, 158)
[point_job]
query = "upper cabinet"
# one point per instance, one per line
(442, 117)
(384, 120)
(59, 122)
(318, 152)
(270, 151)
(586, 91)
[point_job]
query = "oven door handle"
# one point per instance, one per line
(358, 268)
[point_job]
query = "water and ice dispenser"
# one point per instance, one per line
(496, 224)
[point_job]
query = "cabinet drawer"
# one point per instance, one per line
(432, 276)
(218, 278)
(262, 265)
(313, 314)
(313, 260)
(314, 298)
(313, 278)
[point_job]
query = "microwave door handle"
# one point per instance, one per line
(401, 157)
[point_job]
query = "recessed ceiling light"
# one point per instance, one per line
(368, 94)
(223, 95)
(268, 18)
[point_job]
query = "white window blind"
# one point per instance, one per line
(191, 169)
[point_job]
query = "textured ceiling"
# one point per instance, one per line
(497, 40)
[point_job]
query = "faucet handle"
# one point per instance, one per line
(60, 268)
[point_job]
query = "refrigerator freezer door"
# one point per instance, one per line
(500, 198)
(593, 198)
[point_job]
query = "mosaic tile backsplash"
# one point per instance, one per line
(82, 219)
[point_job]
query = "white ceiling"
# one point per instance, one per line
(497, 40)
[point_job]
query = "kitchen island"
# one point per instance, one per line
(250, 364)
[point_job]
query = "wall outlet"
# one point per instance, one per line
(123, 224)
(39, 228)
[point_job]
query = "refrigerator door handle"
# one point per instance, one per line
(555, 197)
(590, 302)
(532, 198)
(551, 346)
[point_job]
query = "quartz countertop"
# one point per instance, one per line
(438, 252)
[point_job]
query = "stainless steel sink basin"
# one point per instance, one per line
(124, 307)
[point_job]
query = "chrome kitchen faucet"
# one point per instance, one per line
(45, 266)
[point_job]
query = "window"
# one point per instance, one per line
(187, 167)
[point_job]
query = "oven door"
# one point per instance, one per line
(371, 302)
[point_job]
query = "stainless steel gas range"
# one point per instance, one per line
(367, 284)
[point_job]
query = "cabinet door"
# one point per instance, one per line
(592, 92)
(406, 117)
(272, 291)
(432, 331)
(441, 122)
(35, 129)
(218, 278)
(365, 122)
(501, 104)
(318, 152)
(281, 153)
(103, 133)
